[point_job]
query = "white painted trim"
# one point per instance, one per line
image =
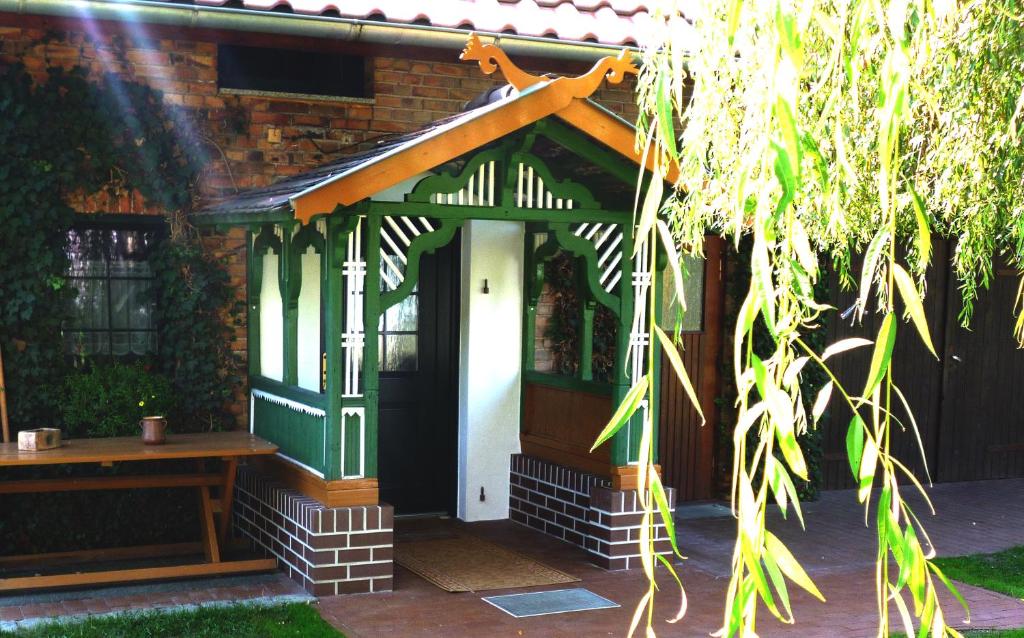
(288, 403)
(299, 464)
(291, 405)
(359, 412)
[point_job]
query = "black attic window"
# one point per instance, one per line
(291, 71)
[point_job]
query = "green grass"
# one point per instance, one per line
(238, 621)
(1002, 572)
(995, 633)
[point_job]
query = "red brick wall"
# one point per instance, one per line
(407, 94)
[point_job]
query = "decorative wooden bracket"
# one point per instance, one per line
(491, 58)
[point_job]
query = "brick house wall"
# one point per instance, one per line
(408, 91)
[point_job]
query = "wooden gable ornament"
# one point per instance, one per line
(491, 58)
(539, 97)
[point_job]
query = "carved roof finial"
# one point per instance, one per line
(491, 58)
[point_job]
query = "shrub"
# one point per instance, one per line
(111, 398)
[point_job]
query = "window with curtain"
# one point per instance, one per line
(112, 311)
(398, 330)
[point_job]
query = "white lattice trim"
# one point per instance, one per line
(531, 192)
(359, 413)
(478, 191)
(288, 403)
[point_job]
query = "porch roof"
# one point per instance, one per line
(277, 196)
(396, 158)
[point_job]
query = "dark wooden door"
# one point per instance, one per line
(418, 423)
(968, 404)
(982, 426)
(686, 449)
(916, 372)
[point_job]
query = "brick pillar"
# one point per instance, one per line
(582, 509)
(615, 517)
(340, 550)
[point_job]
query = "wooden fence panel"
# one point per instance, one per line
(686, 449)
(982, 435)
(916, 372)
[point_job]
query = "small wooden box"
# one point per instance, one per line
(39, 439)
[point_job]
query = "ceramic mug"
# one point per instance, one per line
(154, 430)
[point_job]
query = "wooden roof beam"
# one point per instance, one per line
(432, 150)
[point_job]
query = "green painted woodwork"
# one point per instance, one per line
(534, 265)
(352, 437)
(338, 230)
(620, 443)
(289, 277)
(266, 240)
(425, 243)
(587, 339)
(292, 393)
(449, 182)
(566, 189)
(349, 430)
(307, 236)
(277, 215)
(585, 146)
(371, 325)
(298, 435)
(584, 249)
(501, 213)
(372, 415)
(568, 383)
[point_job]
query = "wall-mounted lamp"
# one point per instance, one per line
(486, 289)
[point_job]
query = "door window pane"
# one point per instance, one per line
(399, 353)
(397, 346)
(403, 315)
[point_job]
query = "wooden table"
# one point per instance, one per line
(229, 447)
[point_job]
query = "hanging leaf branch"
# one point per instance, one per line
(830, 129)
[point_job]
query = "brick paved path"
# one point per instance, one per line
(836, 549)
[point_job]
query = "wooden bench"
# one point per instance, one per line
(229, 447)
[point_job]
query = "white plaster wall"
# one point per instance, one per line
(271, 321)
(397, 192)
(308, 329)
(490, 366)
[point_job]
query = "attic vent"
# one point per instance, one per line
(291, 71)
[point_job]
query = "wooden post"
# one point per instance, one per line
(227, 494)
(3, 401)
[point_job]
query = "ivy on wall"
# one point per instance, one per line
(196, 312)
(812, 378)
(67, 137)
(563, 329)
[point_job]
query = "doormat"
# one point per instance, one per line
(543, 603)
(467, 563)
